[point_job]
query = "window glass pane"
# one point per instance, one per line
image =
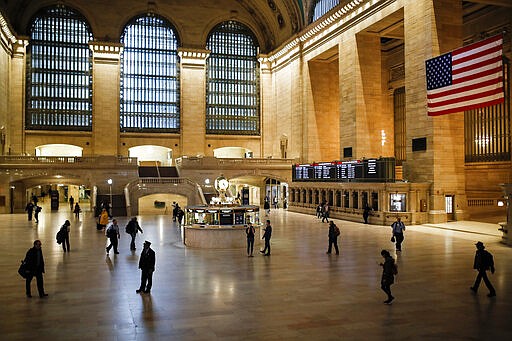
(59, 90)
(487, 130)
(149, 80)
(321, 7)
(232, 86)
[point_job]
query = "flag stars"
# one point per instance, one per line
(439, 71)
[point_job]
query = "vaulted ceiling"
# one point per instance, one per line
(272, 21)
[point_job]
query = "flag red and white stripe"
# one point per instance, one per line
(468, 78)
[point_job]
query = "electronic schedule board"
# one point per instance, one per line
(364, 170)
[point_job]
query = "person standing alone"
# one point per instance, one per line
(334, 232)
(250, 231)
(147, 265)
(483, 262)
(35, 266)
(267, 235)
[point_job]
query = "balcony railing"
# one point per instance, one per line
(94, 161)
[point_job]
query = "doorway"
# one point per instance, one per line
(449, 207)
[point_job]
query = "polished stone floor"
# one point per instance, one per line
(298, 293)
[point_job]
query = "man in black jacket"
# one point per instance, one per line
(333, 234)
(35, 266)
(147, 265)
(483, 262)
(132, 229)
(267, 235)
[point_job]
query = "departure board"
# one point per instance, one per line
(365, 170)
(303, 172)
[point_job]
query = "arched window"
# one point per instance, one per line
(59, 91)
(232, 83)
(321, 7)
(150, 96)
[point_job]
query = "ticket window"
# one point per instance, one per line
(397, 202)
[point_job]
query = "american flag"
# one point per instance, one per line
(468, 78)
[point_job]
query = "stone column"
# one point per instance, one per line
(105, 97)
(193, 101)
(433, 27)
(15, 136)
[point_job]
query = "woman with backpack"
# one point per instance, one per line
(64, 231)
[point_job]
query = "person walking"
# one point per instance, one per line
(325, 215)
(267, 235)
(65, 235)
(132, 228)
(112, 233)
(71, 202)
(30, 209)
(398, 228)
(147, 265)
(250, 232)
(388, 275)
(102, 219)
(483, 262)
(35, 265)
(77, 211)
(366, 213)
(334, 232)
(37, 210)
(266, 206)
(175, 207)
(319, 210)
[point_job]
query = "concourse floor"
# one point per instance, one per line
(298, 293)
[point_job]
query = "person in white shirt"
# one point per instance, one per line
(112, 233)
(398, 233)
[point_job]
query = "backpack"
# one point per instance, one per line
(111, 232)
(395, 269)
(38, 209)
(337, 231)
(60, 236)
(129, 228)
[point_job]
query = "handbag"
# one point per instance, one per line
(393, 239)
(23, 271)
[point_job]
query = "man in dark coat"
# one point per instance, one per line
(30, 209)
(147, 265)
(35, 266)
(334, 232)
(388, 275)
(132, 229)
(483, 262)
(267, 235)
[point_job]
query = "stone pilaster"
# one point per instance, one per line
(347, 81)
(433, 27)
(267, 108)
(16, 123)
(193, 101)
(105, 97)
(371, 120)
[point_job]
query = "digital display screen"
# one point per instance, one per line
(365, 170)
